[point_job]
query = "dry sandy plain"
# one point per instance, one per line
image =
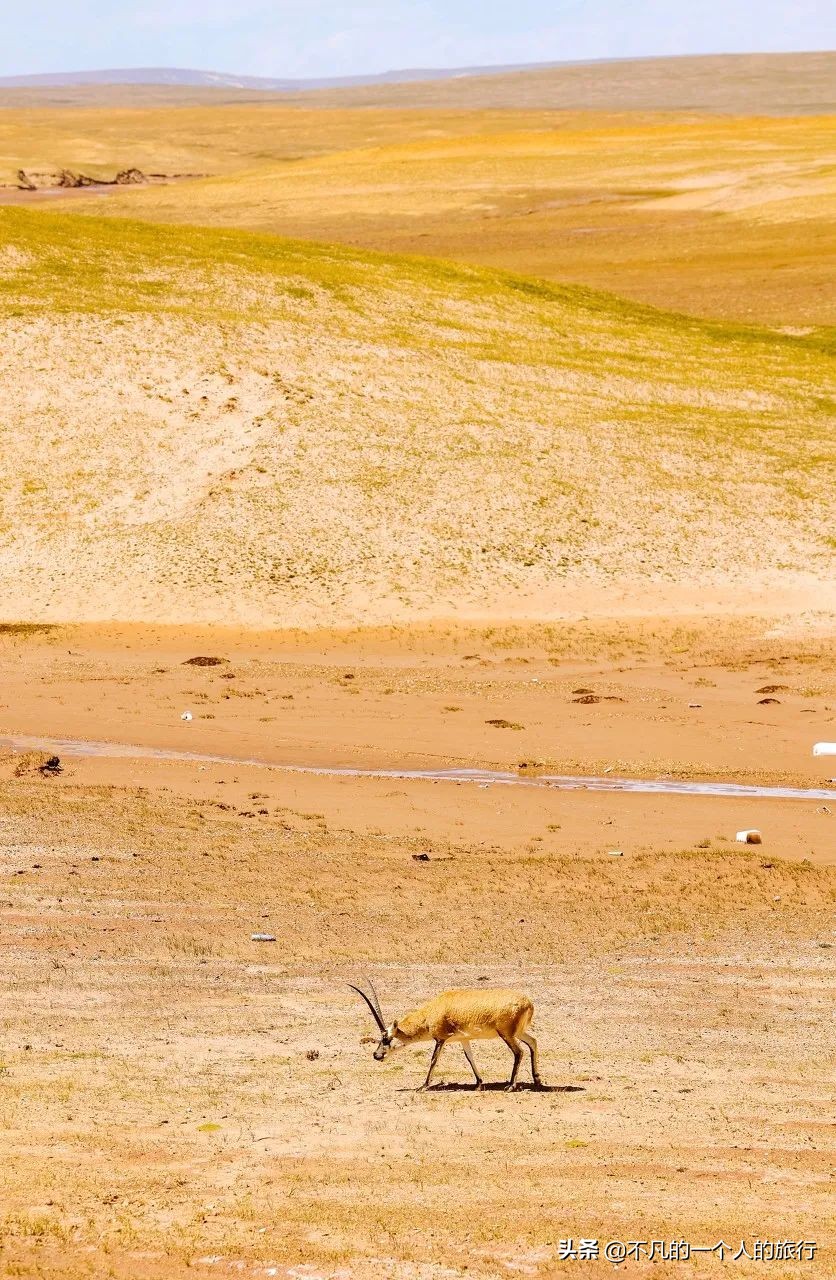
(428, 515)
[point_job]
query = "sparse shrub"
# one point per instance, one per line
(31, 762)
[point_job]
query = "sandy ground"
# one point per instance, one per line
(177, 1099)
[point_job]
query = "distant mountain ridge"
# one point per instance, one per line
(191, 78)
(737, 83)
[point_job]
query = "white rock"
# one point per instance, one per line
(824, 749)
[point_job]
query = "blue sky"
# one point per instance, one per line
(327, 37)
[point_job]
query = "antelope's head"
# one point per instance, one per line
(389, 1037)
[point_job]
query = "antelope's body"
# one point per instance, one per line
(461, 1016)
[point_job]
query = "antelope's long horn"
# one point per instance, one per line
(374, 1012)
(375, 999)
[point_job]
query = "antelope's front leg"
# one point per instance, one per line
(439, 1045)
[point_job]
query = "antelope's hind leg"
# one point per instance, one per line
(439, 1045)
(528, 1038)
(468, 1053)
(516, 1049)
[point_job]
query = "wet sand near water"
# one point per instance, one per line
(482, 719)
(484, 777)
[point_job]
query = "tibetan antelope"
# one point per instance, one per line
(461, 1016)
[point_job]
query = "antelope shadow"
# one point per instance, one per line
(497, 1086)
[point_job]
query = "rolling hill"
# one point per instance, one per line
(212, 425)
(713, 216)
(761, 84)
(739, 83)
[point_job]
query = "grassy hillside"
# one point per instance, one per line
(212, 425)
(715, 217)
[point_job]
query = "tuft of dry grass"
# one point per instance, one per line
(26, 762)
(23, 630)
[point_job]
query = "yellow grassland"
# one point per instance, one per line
(728, 217)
